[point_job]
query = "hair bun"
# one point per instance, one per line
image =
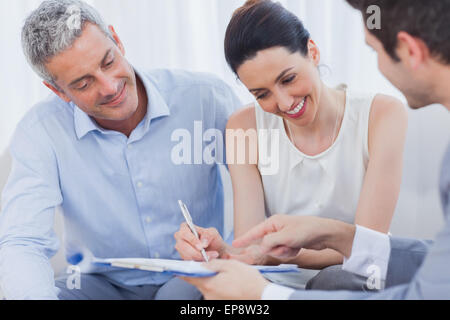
(251, 3)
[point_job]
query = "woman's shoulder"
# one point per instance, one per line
(244, 118)
(388, 123)
(381, 106)
(386, 107)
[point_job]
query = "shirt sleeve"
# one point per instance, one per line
(431, 280)
(370, 254)
(276, 292)
(27, 240)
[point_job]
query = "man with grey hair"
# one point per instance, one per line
(101, 149)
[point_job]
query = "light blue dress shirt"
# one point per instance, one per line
(118, 195)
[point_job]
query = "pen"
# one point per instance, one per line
(189, 222)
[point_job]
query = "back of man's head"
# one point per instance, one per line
(423, 19)
(53, 28)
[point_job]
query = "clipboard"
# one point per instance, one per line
(181, 267)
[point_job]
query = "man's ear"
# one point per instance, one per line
(60, 94)
(313, 52)
(412, 50)
(117, 39)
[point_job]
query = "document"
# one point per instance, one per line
(181, 267)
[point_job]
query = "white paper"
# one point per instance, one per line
(193, 268)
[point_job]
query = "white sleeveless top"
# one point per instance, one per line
(328, 184)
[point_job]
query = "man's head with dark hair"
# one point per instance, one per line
(426, 20)
(413, 46)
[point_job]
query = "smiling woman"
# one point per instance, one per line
(334, 149)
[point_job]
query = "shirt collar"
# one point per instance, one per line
(156, 108)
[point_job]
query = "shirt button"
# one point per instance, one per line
(148, 220)
(140, 184)
(130, 146)
(156, 255)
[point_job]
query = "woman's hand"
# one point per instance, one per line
(283, 236)
(248, 255)
(189, 247)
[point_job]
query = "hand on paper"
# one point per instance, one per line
(188, 246)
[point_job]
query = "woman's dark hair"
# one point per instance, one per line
(260, 25)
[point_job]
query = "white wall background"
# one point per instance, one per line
(189, 34)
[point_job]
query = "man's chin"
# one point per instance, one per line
(115, 117)
(418, 98)
(416, 104)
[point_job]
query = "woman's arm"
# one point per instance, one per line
(248, 194)
(387, 133)
(242, 155)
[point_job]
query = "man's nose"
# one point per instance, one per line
(108, 87)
